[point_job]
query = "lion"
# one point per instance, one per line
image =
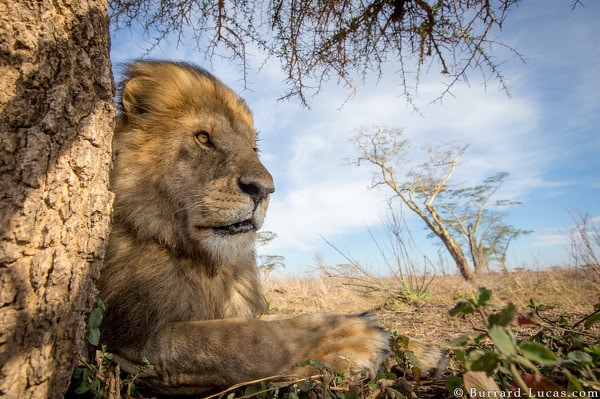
(180, 279)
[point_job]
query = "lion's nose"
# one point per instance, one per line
(256, 188)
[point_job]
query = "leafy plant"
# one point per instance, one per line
(94, 320)
(561, 357)
(100, 377)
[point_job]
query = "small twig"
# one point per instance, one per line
(586, 318)
(552, 324)
(270, 378)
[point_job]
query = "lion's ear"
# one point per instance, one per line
(132, 97)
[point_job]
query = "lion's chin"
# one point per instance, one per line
(225, 245)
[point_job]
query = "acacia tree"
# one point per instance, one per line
(477, 222)
(268, 263)
(463, 218)
(56, 118)
(319, 40)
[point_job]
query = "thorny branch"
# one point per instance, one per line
(336, 39)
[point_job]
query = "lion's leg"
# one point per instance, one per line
(197, 356)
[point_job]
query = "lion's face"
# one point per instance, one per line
(186, 170)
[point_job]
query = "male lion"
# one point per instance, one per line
(180, 280)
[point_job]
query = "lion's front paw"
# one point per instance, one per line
(351, 344)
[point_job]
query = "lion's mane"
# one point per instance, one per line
(160, 266)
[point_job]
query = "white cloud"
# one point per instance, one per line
(527, 134)
(549, 240)
(323, 209)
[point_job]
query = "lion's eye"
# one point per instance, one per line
(203, 138)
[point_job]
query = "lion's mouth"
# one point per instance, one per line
(236, 228)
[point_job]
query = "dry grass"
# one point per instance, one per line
(323, 294)
(572, 292)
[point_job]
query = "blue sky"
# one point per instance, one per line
(546, 134)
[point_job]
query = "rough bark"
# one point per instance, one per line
(56, 120)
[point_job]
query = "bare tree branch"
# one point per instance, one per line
(336, 39)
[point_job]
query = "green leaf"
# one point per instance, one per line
(484, 296)
(95, 318)
(504, 317)
(580, 357)
(387, 375)
(250, 390)
(93, 336)
(95, 384)
(100, 304)
(460, 355)
(463, 307)
(81, 389)
(340, 378)
(372, 385)
(402, 340)
(411, 357)
(486, 361)
(305, 386)
(453, 382)
(594, 350)
(540, 308)
(94, 321)
(538, 353)
(504, 341)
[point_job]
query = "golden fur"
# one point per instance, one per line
(180, 280)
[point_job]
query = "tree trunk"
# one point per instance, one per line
(439, 229)
(459, 258)
(56, 120)
(476, 251)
